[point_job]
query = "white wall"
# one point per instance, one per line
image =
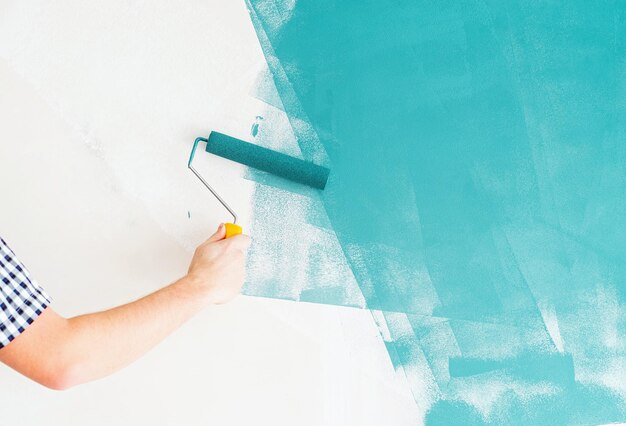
(99, 104)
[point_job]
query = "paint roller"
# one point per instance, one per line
(260, 158)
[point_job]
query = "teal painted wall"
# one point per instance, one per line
(477, 189)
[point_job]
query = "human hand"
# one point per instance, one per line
(218, 266)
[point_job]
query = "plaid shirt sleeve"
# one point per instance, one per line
(21, 298)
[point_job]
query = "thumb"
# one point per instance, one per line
(220, 234)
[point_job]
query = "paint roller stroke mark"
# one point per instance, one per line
(307, 137)
(397, 350)
(297, 117)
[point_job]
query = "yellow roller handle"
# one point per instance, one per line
(232, 229)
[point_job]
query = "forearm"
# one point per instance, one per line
(60, 353)
(98, 344)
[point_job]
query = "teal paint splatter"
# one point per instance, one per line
(254, 130)
(477, 192)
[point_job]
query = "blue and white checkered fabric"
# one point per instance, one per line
(21, 298)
